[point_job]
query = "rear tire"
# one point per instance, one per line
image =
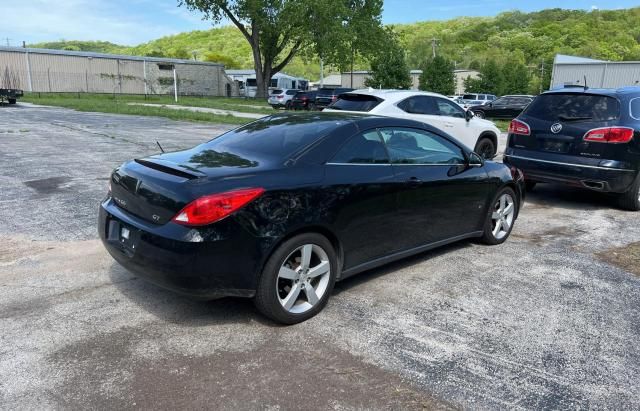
(631, 199)
(486, 148)
(500, 217)
(479, 114)
(282, 288)
(287, 105)
(12, 101)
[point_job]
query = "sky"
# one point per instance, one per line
(131, 22)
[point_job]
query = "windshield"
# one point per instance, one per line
(574, 107)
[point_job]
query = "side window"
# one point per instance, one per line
(449, 108)
(413, 146)
(291, 92)
(419, 105)
(634, 108)
(364, 148)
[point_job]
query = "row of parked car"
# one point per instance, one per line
(293, 99)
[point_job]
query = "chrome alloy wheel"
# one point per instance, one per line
(303, 278)
(502, 218)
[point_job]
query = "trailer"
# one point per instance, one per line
(10, 90)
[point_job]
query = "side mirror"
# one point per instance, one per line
(475, 160)
(468, 115)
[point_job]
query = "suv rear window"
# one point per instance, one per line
(572, 106)
(355, 102)
(277, 91)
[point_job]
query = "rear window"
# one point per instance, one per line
(355, 102)
(276, 137)
(634, 108)
(571, 106)
(277, 91)
(470, 97)
(326, 91)
(291, 92)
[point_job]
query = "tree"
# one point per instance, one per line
(437, 76)
(389, 69)
(490, 80)
(228, 62)
(278, 30)
(516, 79)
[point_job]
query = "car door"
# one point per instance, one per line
(360, 181)
(439, 196)
(454, 121)
(498, 108)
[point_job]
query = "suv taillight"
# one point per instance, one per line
(209, 209)
(609, 135)
(519, 127)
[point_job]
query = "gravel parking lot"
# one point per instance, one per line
(547, 320)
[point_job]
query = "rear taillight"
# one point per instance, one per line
(609, 135)
(280, 97)
(209, 209)
(519, 127)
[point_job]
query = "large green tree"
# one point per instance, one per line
(437, 76)
(277, 30)
(389, 68)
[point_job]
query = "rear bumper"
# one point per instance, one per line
(179, 258)
(605, 176)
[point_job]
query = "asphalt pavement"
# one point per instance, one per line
(545, 320)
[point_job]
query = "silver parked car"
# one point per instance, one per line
(280, 98)
(474, 99)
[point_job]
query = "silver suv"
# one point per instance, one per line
(281, 98)
(473, 99)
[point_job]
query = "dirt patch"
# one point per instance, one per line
(627, 257)
(47, 185)
(276, 375)
(543, 237)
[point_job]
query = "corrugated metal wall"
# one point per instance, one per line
(599, 75)
(56, 71)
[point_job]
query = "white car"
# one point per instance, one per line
(430, 108)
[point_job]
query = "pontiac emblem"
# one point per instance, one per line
(556, 128)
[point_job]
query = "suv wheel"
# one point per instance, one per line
(297, 279)
(486, 148)
(287, 105)
(479, 114)
(631, 199)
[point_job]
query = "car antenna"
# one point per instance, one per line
(161, 149)
(585, 82)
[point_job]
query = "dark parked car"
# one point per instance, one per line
(326, 96)
(504, 107)
(304, 100)
(281, 208)
(587, 138)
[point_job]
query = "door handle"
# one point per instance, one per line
(414, 182)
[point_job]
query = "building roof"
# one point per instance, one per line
(249, 72)
(565, 59)
(90, 54)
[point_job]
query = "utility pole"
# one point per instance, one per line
(434, 44)
(321, 73)
(541, 74)
(8, 41)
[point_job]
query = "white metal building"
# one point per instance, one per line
(598, 73)
(42, 70)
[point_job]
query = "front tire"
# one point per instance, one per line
(297, 279)
(500, 217)
(631, 199)
(12, 101)
(479, 114)
(486, 148)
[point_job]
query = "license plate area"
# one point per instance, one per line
(555, 146)
(124, 236)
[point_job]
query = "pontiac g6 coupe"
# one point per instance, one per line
(280, 209)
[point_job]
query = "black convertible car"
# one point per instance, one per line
(281, 208)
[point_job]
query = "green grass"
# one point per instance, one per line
(503, 125)
(107, 103)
